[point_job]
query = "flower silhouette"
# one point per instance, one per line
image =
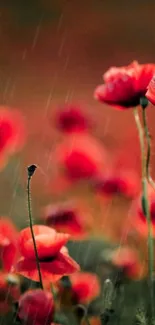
(85, 286)
(71, 119)
(66, 218)
(81, 156)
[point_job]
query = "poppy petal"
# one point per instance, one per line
(48, 241)
(8, 256)
(85, 286)
(150, 94)
(62, 265)
(12, 133)
(65, 218)
(8, 243)
(71, 119)
(124, 86)
(36, 307)
(81, 156)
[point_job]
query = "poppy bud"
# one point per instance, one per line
(36, 307)
(31, 169)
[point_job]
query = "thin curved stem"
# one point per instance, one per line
(148, 140)
(32, 233)
(145, 166)
(150, 243)
(84, 315)
(141, 140)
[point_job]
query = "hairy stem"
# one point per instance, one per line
(146, 208)
(141, 140)
(148, 140)
(32, 233)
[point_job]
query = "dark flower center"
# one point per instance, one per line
(108, 186)
(61, 217)
(72, 119)
(47, 259)
(131, 101)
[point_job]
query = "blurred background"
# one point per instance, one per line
(55, 52)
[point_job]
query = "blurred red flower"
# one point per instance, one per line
(150, 94)
(71, 119)
(9, 291)
(124, 86)
(8, 243)
(138, 217)
(53, 255)
(12, 133)
(66, 218)
(85, 287)
(123, 182)
(81, 156)
(127, 260)
(36, 307)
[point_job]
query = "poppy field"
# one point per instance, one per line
(63, 267)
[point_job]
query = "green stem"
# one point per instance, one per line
(108, 292)
(141, 140)
(150, 237)
(145, 165)
(53, 293)
(83, 314)
(87, 320)
(148, 139)
(32, 233)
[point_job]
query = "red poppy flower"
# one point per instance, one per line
(121, 182)
(9, 291)
(12, 133)
(127, 260)
(81, 156)
(36, 307)
(124, 86)
(138, 218)
(8, 243)
(85, 287)
(150, 94)
(71, 119)
(53, 255)
(66, 218)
